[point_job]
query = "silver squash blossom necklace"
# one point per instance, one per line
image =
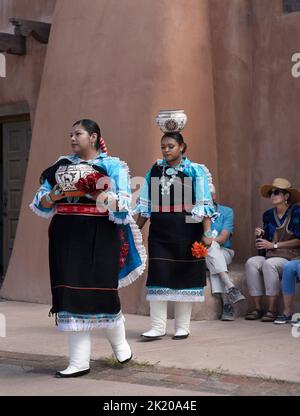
(166, 184)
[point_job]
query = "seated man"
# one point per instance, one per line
(219, 256)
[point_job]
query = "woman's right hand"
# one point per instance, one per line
(258, 232)
(56, 194)
(141, 221)
(207, 241)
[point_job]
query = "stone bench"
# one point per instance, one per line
(133, 299)
(211, 309)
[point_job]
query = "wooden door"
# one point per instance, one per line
(16, 145)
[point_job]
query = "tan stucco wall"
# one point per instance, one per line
(232, 31)
(23, 73)
(94, 70)
(276, 100)
(257, 106)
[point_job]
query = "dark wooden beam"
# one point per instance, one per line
(13, 44)
(290, 6)
(40, 31)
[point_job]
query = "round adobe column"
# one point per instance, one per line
(118, 62)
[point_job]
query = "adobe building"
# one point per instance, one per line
(227, 63)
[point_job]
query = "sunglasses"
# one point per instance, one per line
(276, 192)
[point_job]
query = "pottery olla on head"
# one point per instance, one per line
(170, 121)
(68, 176)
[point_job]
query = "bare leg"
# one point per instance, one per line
(272, 303)
(257, 301)
(288, 303)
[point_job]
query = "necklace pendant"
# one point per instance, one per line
(171, 171)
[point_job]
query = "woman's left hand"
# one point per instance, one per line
(207, 241)
(95, 194)
(263, 244)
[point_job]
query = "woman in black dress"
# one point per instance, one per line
(94, 244)
(176, 197)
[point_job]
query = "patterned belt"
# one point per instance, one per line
(172, 208)
(79, 209)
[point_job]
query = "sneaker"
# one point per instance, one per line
(283, 319)
(235, 295)
(227, 313)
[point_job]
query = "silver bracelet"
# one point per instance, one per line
(208, 234)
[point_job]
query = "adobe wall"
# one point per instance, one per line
(93, 70)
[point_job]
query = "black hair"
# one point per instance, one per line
(178, 137)
(91, 127)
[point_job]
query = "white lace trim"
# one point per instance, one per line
(177, 295)
(138, 241)
(176, 298)
(143, 208)
(198, 212)
(145, 214)
(72, 323)
(42, 213)
(209, 177)
(120, 221)
(197, 217)
(123, 198)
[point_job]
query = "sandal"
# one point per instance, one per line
(254, 315)
(269, 317)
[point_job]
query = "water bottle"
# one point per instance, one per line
(261, 251)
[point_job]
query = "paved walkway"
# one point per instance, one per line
(219, 358)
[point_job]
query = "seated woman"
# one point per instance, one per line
(219, 256)
(280, 238)
(290, 276)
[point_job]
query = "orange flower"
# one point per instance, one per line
(199, 250)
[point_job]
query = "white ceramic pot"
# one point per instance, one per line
(170, 121)
(67, 176)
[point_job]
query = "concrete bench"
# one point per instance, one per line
(211, 309)
(133, 299)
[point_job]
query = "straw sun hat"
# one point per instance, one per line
(285, 185)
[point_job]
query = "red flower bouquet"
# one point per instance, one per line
(199, 250)
(88, 184)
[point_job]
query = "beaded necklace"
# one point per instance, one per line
(170, 171)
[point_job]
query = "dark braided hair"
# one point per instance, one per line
(92, 127)
(178, 137)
